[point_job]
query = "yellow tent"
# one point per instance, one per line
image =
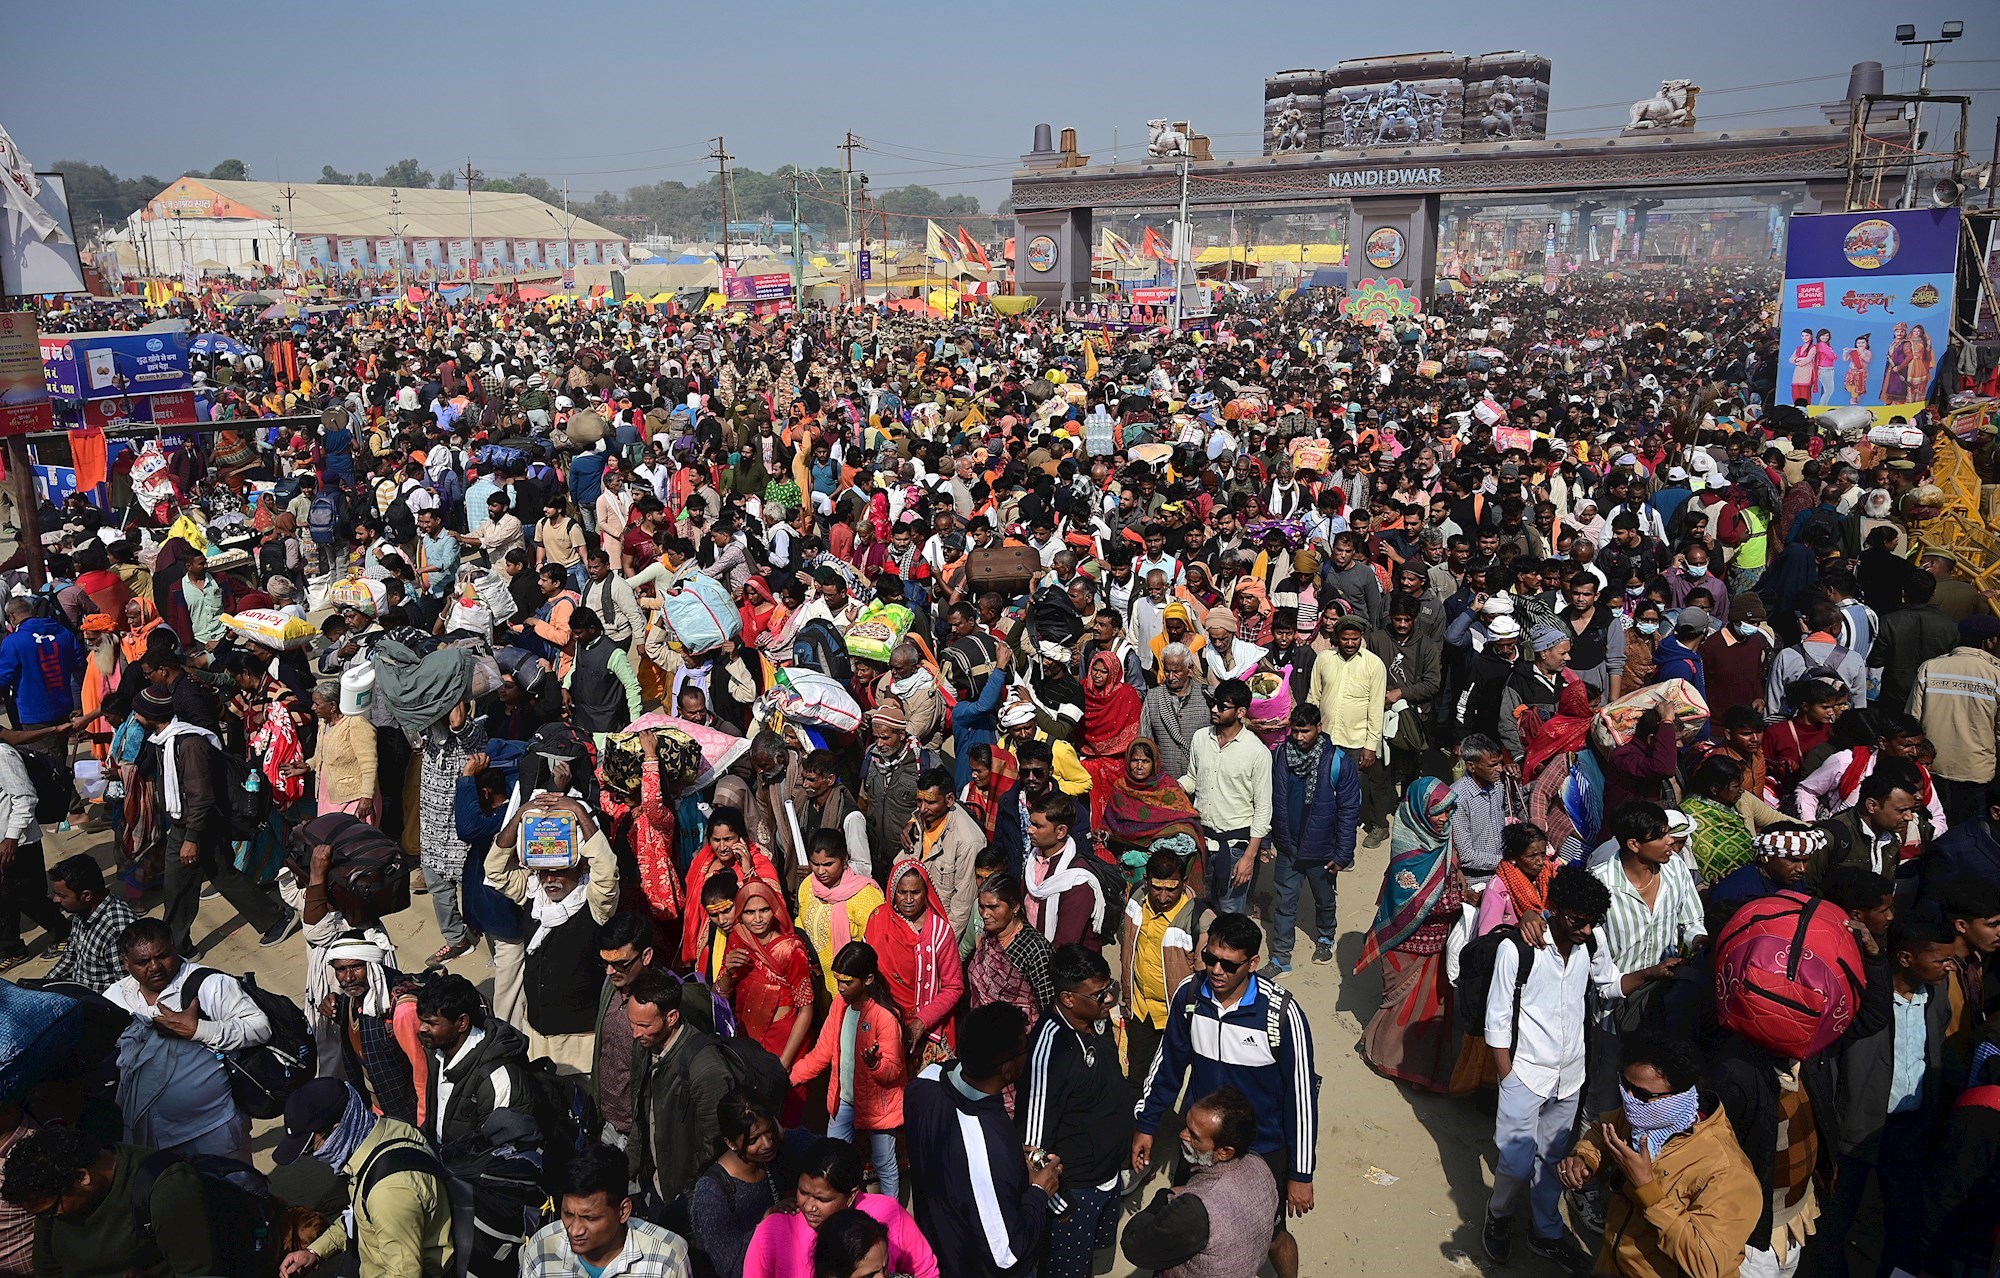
(1014, 303)
(660, 298)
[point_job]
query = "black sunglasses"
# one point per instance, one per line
(1209, 958)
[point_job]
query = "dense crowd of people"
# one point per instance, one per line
(883, 804)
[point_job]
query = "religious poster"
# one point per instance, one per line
(525, 256)
(1865, 308)
(313, 257)
(461, 258)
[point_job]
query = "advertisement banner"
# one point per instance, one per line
(461, 257)
(313, 255)
(425, 259)
(1866, 307)
(525, 256)
(738, 287)
(1130, 317)
(493, 255)
(349, 255)
(24, 387)
(86, 366)
(555, 253)
(174, 409)
(586, 252)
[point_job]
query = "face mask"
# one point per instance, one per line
(1697, 571)
(1746, 629)
(1648, 627)
(1635, 591)
(1194, 1159)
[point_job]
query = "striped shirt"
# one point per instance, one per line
(1638, 936)
(650, 1252)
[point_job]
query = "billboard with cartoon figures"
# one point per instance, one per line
(1866, 308)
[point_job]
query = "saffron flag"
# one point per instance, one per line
(970, 251)
(1114, 246)
(1152, 245)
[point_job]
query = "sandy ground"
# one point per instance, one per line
(1438, 1149)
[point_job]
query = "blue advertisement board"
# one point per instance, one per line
(1866, 307)
(89, 366)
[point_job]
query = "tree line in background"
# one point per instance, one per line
(100, 198)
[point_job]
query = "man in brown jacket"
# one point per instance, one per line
(1685, 1198)
(946, 838)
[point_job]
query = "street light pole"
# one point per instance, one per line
(1183, 244)
(1906, 35)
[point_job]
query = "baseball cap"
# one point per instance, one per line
(316, 1107)
(1692, 619)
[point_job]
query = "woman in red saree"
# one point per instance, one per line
(760, 611)
(648, 829)
(728, 848)
(919, 955)
(1110, 708)
(766, 975)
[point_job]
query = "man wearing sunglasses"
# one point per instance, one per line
(1228, 1028)
(1074, 1106)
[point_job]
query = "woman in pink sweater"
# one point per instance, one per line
(862, 1044)
(830, 1182)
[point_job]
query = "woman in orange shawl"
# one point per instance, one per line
(766, 974)
(728, 848)
(918, 953)
(1110, 708)
(142, 617)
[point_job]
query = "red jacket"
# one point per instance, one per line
(878, 1091)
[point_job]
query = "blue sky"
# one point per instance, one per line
(616, 94)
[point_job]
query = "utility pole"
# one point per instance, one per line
(798, 254)
(396, 229)
(722, 159)
(847, 202)
(472, 177)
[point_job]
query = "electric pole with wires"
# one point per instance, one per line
(722, 159)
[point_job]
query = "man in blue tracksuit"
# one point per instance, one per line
(1228, 1028)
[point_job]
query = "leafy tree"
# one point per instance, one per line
(523, 184)
(230, 171)
(406, 174)
(329, 176)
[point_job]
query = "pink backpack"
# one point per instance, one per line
(1788, 974)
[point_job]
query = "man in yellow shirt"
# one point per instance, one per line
(1156, 949)
(1347, 685)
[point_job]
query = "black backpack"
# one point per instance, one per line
(497, 1200)
(1112, 882)
(400, 522)
(754, 1068)
(565, 1114)
(241, 1210)
(54, 792)
(1475, 978)
(261, 1078)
